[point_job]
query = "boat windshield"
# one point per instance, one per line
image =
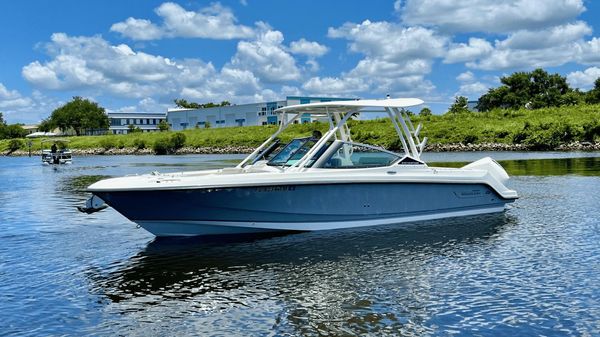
(295, 150)
(353, 155)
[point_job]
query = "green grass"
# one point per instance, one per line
(539, 129)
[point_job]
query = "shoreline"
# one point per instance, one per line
(456, 147)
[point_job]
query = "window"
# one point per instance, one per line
(349, 155)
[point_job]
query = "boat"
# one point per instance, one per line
(57, 154)
(318, 182)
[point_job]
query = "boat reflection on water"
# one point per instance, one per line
(345, 278)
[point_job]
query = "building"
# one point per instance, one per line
(146, 121)
(239, 115)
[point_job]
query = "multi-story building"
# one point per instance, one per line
(146, 121)
(239, 115)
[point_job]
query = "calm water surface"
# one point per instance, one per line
(534, 270)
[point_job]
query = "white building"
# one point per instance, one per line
(146, 121)
(238, 115)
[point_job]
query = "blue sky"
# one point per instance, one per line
(140, 55)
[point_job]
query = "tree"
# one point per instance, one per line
(46, 125)
(80, 114)
(163, 125)
(425, 112)
(593, 96)
(12, 131)
(2, 121)
(536, 89)
(459, 105)
(184, 104)
(133, 129)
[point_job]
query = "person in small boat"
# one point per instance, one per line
(53, 150)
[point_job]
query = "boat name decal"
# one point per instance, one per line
(275, 188)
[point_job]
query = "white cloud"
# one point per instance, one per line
(17, 108)
(584, 79)
(467, 76)
(546, 38)
(472, 90)
(463, 52)
(266, 57)
(308, 48)
(92, 63)
(494, 16)
(397, 58)
(470, 87)
(548, 47)
(390, 41)
(590, 52)
(138, 29)
(212, 22)
(335, 86)
(12, 99)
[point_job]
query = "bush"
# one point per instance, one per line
(15, 144)
(177, 141)
(108, 143)
(139, 144)
(169, 145)
(470, 139)
(162, 146)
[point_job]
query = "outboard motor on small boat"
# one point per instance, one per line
(92, 205)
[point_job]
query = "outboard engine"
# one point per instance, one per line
(93, 205)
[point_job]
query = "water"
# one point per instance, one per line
(534, 270)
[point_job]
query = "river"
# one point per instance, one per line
(533, 270)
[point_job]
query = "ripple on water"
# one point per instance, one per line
(530, 271)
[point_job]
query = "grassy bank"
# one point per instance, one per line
(542, 129)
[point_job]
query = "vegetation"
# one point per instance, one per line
(80, 115)
(425, 112)
(169, 145)
(10, 131)
(163, 125)
(533, 90)
(593, 96)
(538, 129)
(182, 103)
(459, 105)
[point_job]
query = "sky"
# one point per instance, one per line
(137, 56)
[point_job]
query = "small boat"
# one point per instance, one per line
(317, 182)
(57, 154)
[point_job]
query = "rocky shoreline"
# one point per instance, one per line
(575, 146)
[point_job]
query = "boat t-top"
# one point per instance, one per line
(57, 154)
(317, 182)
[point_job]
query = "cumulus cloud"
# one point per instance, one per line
(138, 29)
(12, 99)
(396, 60)
(335, 85)
(493, 16)
(546, 38)
(463, 52)
(212, 22)
(20, 108)
(526, 49)
(391, 41)
(266, 57)
(308, 48)
(470, 86)
(584, 79)
(92, 65)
